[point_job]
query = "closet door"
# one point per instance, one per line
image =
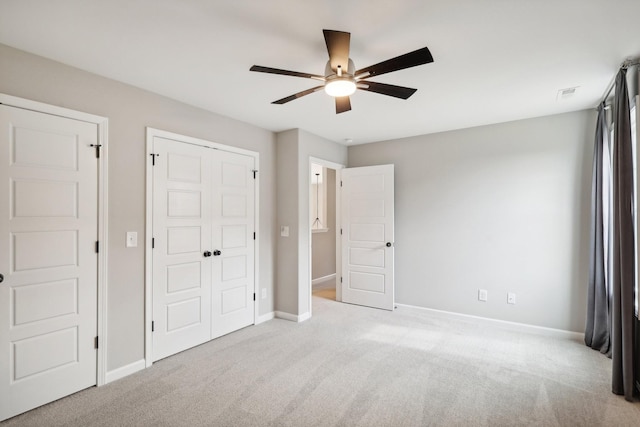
(233, 242)
(203, 203)
(182, 243)
(48, 260)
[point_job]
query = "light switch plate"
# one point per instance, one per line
(132, 239)
(284, 231)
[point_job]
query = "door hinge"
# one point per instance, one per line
(340, 279)
(97, 149)
(153, 326)
(254, 296)
(98, 247)
(153, 158)
(254, 235)
(340, 183)
(341, 231)
(95, 342)
(255, 171)
(153, 242)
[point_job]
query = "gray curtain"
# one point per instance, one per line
(598, 326)
(623, 274)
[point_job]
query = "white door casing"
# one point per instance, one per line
(209, 279)
(368, 234)
(182, 237)
(48, 234)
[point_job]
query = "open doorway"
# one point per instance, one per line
(325, 229)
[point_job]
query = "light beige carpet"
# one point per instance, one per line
(355, 366)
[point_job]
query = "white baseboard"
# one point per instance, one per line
(124, 371)
(292, 317)
(323, 279)
(304, 316)
(515, 326)
(265, 317)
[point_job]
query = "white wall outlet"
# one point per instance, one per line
(284, 231)
(264, 293)
(132, 239)
(482, 294)
(511, 298)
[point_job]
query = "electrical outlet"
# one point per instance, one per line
(264, 293)
(482, 295)
(511, 298)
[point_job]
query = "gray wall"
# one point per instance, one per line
(502, 207)
(295, 148)
(323, 245)
(287, 214)
(129, 111)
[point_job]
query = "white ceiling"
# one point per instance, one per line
(495, 60)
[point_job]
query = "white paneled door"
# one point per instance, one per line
(48, 260)
(233, 240)
(367, 236)
(203, 244)
(182, 239)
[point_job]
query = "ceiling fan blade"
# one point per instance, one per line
(408, 60)
(261, 69)
(386, 89)
(298, 95)
(343, 103)
(338, 48)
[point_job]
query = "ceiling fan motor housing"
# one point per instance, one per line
(329, 72)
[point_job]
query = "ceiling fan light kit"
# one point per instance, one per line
(340, 84)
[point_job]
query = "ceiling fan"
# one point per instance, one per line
(341, 78)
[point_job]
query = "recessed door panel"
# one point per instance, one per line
(368, 282)
(43, 148)
(42, 199)
(234, 299)
(368, 184)
(44, 249)
(366, 233)
(367, 208)
(234, 205)
(367, 257)
(234, 267)
(184, 239)
(42, 301)
(48, 232)
(234, 236)
(183, 314)
(233, 174)
(60, 348)
(184, 204)
(184, 167)
(181, 277)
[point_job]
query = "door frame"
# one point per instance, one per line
(151, 133)
(338, 168)
(102, 124)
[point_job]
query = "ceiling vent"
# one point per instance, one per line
(566, 93)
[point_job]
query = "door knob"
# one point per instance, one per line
(207, 254)
(217, 253)
(388, 244)
(1, 278)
